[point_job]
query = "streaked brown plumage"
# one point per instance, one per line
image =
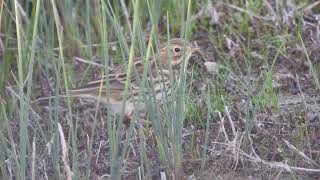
(157, 81)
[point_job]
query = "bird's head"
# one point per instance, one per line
(175, 51)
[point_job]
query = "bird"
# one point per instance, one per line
(159, 75)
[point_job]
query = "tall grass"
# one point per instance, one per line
(23, 110)
(42, 41)
(63, 32)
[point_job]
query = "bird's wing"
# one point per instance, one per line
(116, 86)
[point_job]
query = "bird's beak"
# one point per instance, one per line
(197, 50)
(194, 49)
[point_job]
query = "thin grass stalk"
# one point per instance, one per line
(87, 46)
(64, 152)
(32, 53)
(119, 132)
(131, 57)
(126, 15)
(104, 41)
(180, 116)
(268, 83)
(23, 113)
(88, 36)
(313, 72)
(141, 98)
(115, 171)
(250, 110)
(148, 99)
(61, 57)
(152, 106)
(75, 158)
(61, 65)
(33, 162)
(54, 117)
(111, 129)
(3, 148)
(30, 73)
(1, 49)
(48, 26)
(207, 131)
(146, 172)
(88, 26)
(119, 34)
(171, 107)
(3, 145)
(162, 144)
(1, 11)
(88, 40)
(12, 143)
(93, 128)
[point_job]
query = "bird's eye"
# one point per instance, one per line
(176, 49)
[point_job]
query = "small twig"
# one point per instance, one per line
(284, 166)
(65, 153)
(222, 127)
(301, 154)
(45, 170)
(236, 147)
(163, 175)
(105, 176)
(87, 61)
(99, 149)
(226, 110)
(33, 174)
